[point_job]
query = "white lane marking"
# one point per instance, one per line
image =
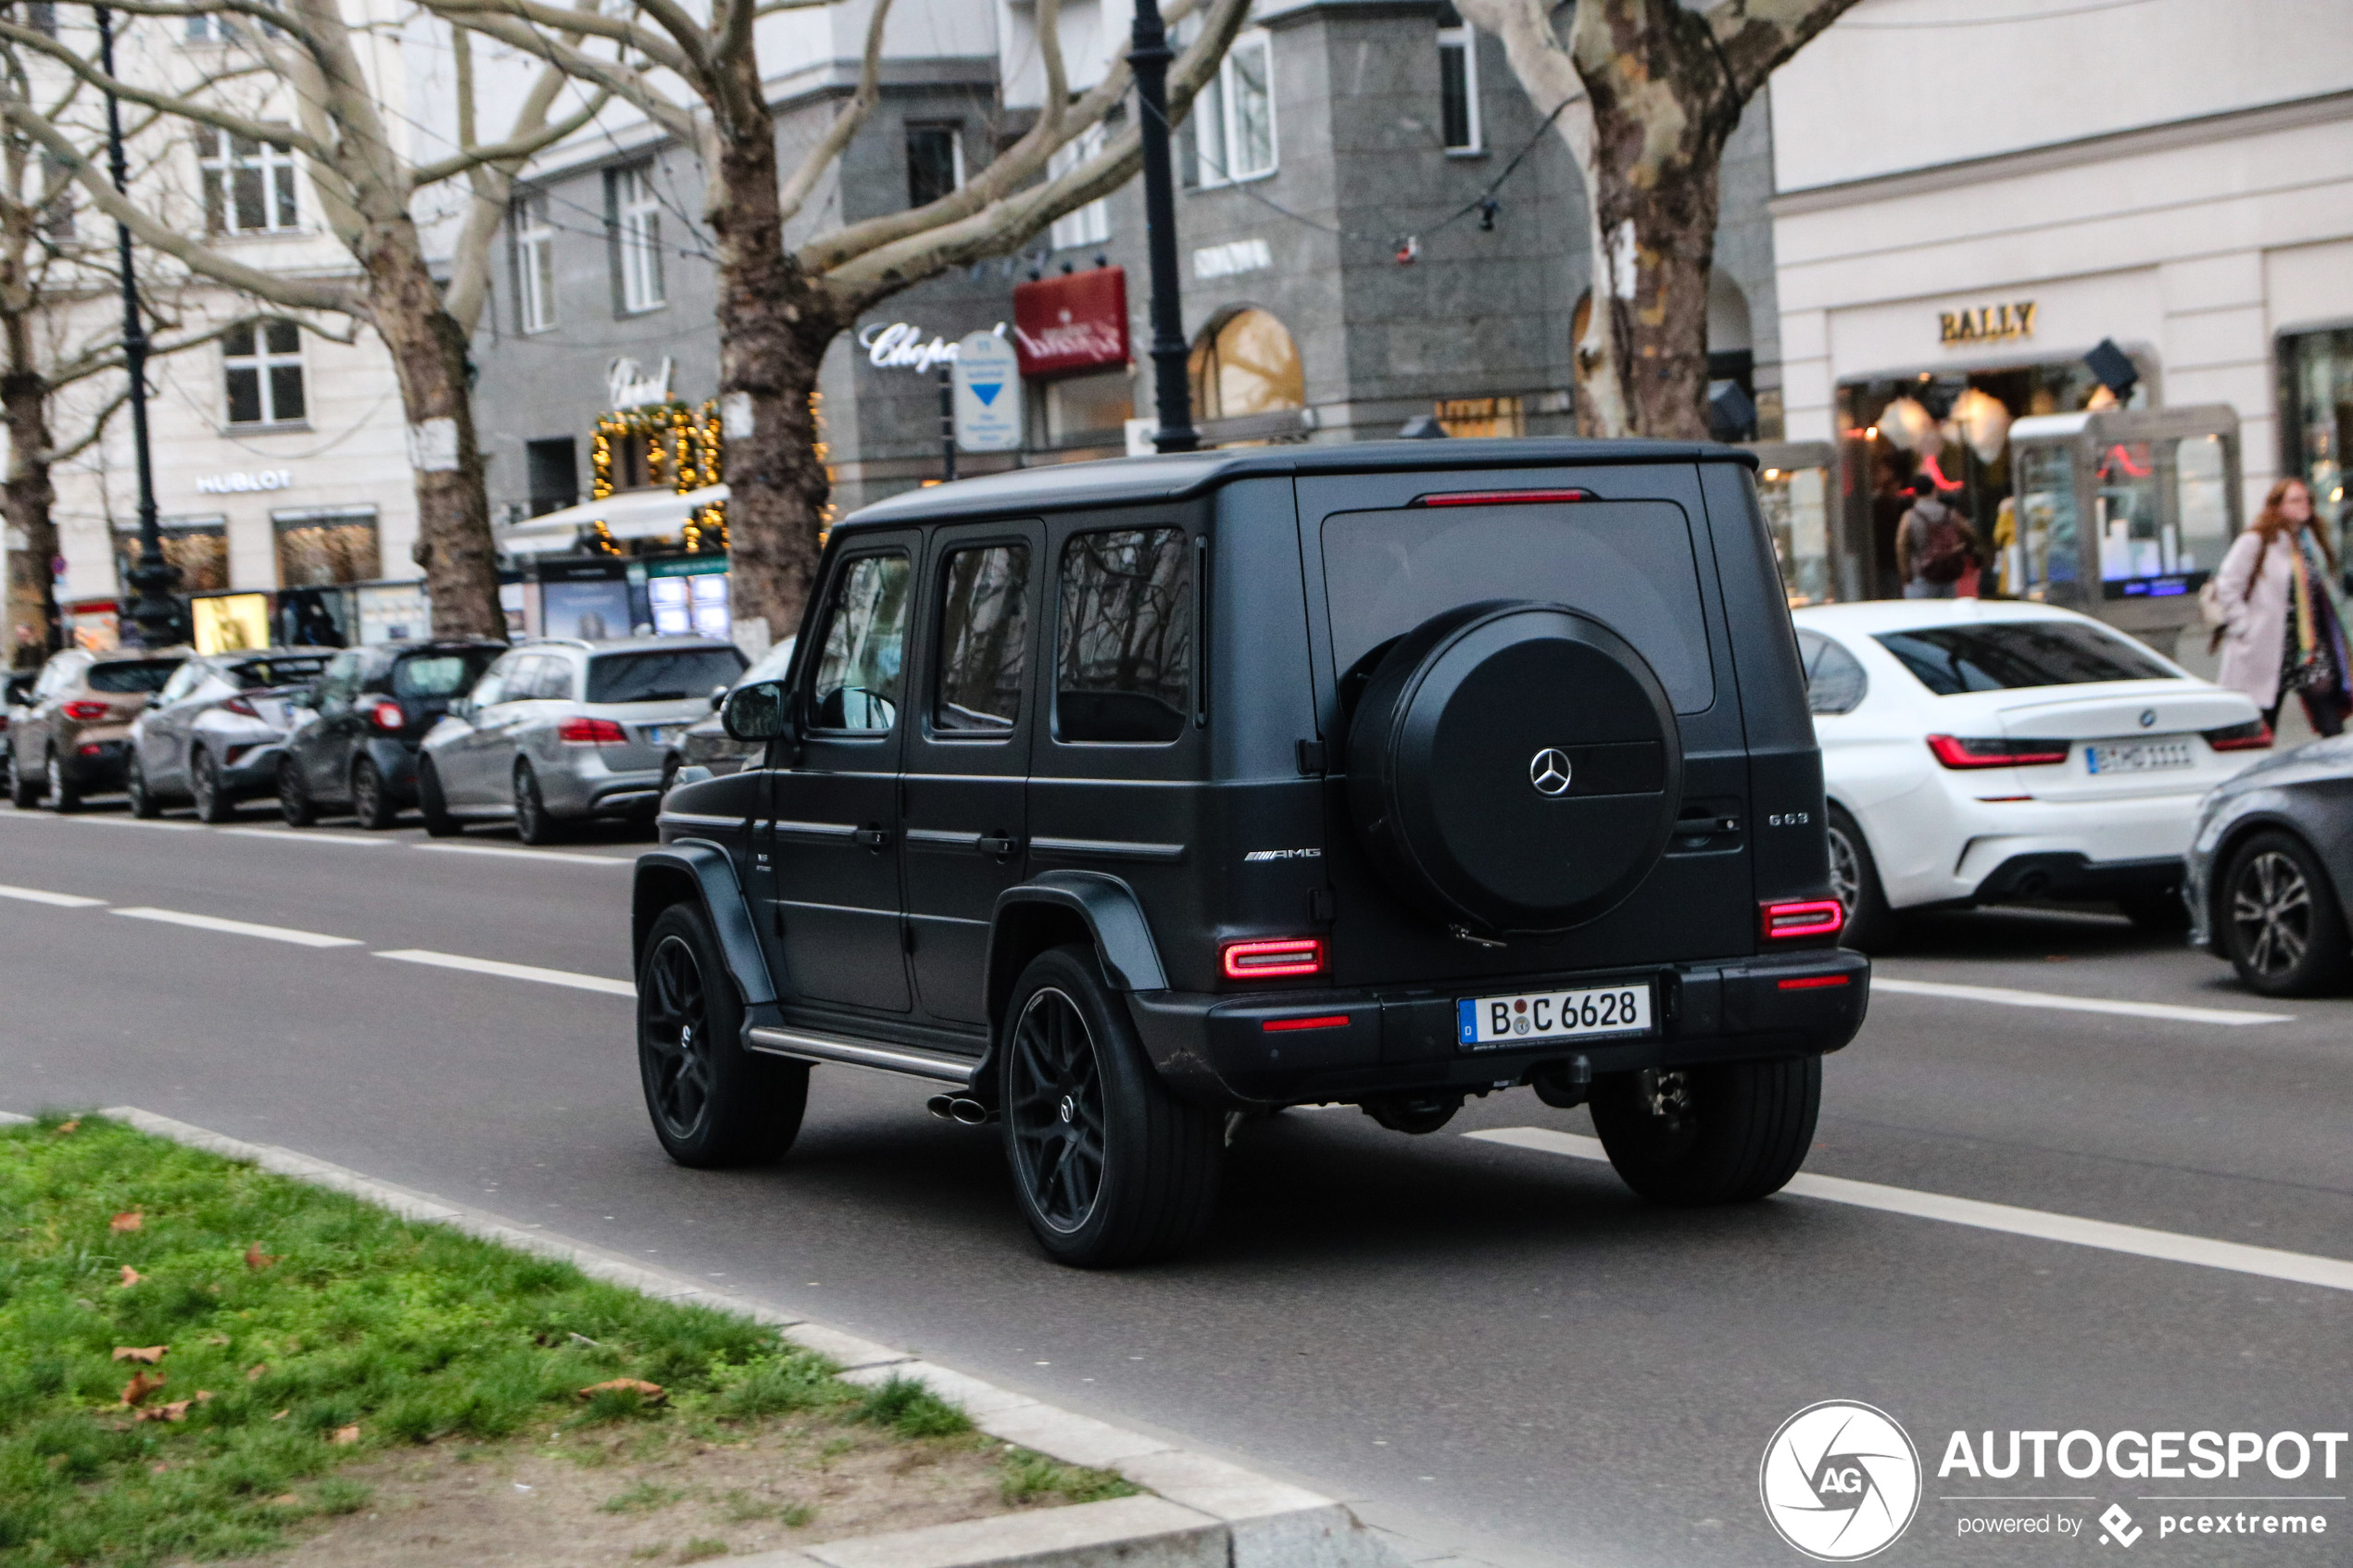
(289, 835)
(62, 901)
(2003, 995)
(242, 928)
(2300, 1268)
(514, 970)
(136, 822)
(527, 854)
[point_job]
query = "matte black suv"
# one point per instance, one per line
(1118, 798)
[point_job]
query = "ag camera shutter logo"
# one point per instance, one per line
(1840, 1481)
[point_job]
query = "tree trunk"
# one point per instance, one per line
(775, 322)
(27, 496)
(428, 351)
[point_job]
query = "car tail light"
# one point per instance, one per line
(2253, 736)
(1285, 1025)
(1813, 983)
(1265, 960)
(239, 705)
(590, 732)
(1955, 751)
(87, 712)
(1810, 917)
(387, 716)
(94, 749)
(1499, 498)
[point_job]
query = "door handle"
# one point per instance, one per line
(874, 838)
(1001, 845)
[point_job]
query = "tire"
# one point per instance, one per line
(134, 788)
(294, 797)
(2282, 924)
(2162, 912)
(533, 824)
(712, 1103)
(63, 796)
(1726, 1133)
(213, 804)
(24, 790)
(372, 803)
(1144, 1186)
(432, 805)
(1871, 924)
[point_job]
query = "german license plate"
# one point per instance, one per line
(655, 735)
(2138, 756)
(1490, 1022)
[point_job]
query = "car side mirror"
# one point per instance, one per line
(755, 712)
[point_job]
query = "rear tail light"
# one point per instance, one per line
(387, 716)
(1811, 917)
(94, 749)
(590, 732)
(239, 705)
(87, 712)
(1499, 498)
(2253, 736)
(1813, 983)
(1268, 959)
(1955, 751)
(1286, 1025)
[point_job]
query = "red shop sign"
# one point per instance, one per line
(1077, 322)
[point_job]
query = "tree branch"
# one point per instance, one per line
(795, 192)
(555, 18)
(623, 81)
(1758, 37)
(170, 104)
(514, 149)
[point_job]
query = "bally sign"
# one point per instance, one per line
(1071, 323)
(1986, 322)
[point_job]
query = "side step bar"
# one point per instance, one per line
(912, 1061)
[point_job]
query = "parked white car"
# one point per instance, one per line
(1981, 752)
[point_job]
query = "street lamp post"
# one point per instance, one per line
(1172, 387)
(154, 578)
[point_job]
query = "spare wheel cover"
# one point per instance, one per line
(1514, 767)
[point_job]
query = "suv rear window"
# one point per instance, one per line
(1628, 563)
(1124, 658)
(668, 675)
(277, 672)
(2008, 654)
(142, 675)
(440, 674)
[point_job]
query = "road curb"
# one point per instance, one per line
(1200, 1512)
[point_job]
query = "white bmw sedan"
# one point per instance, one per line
(1983, 752)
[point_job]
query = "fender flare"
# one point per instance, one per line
(711, 871)
(1105, 904)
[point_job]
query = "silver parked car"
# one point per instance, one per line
(562, 730)
(2270, 872)
(213, 735)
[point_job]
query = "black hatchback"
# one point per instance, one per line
(1113, 798)
(356, 750)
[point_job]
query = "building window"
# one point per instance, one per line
(1458, 83)
(263, 368)
(636, 220)
(535, 265)
(1089, 225)
(316, 549)
(1233, 119)
(934, 162)
(248, 185)
(552, 469)
(1247, 364)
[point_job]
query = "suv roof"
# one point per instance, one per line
(1177, 474)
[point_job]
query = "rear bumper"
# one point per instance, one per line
(95, 764)
(2071, 876)
(1216, 1049)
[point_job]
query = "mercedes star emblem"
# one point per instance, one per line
(1548, 771)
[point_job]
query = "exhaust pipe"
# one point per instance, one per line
(959, 1108)
(1563, 1085)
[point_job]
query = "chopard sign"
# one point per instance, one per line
(1986, 322)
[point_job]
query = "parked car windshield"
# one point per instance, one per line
(2007, 655)
(133, 675)
(658, 676)
(440, 674)
(277, 672)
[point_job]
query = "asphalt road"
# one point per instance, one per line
(1492, 1348)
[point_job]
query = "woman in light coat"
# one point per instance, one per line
(2278, 625)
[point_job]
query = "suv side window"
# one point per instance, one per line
(1124, 653)
(865, 643)
(984, 639)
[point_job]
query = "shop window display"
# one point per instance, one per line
(1247, 364)
(317, 548)
(2316, 425)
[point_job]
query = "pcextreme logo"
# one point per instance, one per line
(1840, 1481)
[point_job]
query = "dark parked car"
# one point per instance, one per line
(213, 734)
(1116, 798)
(2272, 871)
(72, 736)
(355, 748)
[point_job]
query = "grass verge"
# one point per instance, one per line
(191, 1351)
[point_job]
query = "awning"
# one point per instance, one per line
(635, 514)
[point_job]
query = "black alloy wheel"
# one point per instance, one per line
(370, 801)
(1109, 1167)
(294, 797)
(63, 796)
(1725, 1134)
(2281, 920)
(213, 804)
(432, 804)
(1871, 924)
(533, 824)
(144, 804)
(712, 1103)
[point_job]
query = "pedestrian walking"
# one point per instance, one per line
(1935, 548)
(2283, 630)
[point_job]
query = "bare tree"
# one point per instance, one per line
(1646, 93)
(780, 308)
(368, 191)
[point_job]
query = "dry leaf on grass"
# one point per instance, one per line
(150, 1354)
(652, 1393)
(64, 1127)
(280, 1416)
(343, 1437)
(176, 1411)
(130, 1276)
(285, 1498)
(129, 1220)
(140, 1386)
(253, 1372)
(257, 1259)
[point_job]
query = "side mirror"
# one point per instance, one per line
(718, 698)
(755, 712)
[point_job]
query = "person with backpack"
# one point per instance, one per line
(1934, 544)
(2281, 630)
